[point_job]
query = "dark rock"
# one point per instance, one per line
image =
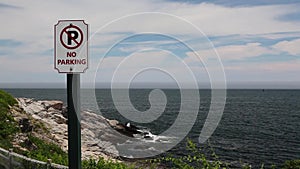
(64, 112)
(146, 135)
(2, 166)
(132, 128)
(25, 125)
(58, 105)
(30, 145)
(128, 129)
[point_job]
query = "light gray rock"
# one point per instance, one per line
(30, 106)
(51, 109)
(88, 133)
(96, 132)
(43, 114)
(113, 123)
(36, 117)
(58, 118)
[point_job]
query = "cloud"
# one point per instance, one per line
(153, 65)
(212, 19)
(273, 67)
(291, 47)
(105, 68)
(34, 34)
(143, 44)
(243, 51)
(272, 72)
(280, 35)
(7, 6)
(239, 3)
(219, 20)
(236, 52)
(19, 65)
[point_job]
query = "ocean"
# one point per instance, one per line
(257, 127)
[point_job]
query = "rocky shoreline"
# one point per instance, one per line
(47, 120)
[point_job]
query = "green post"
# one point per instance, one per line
(74, 110)
(10, 156)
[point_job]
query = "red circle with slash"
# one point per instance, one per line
(69, 35)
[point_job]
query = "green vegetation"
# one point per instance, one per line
(8, 126)
(7, 98)
(44, 151)
(194, 160)
(105, 164)
(292, 164)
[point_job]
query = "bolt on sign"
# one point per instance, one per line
(71, 46)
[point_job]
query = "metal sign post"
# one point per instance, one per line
(74, 132)
(71, 57)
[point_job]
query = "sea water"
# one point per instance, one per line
(257, 126)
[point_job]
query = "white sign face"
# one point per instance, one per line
(71, 46)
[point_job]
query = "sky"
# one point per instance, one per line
(246, 44)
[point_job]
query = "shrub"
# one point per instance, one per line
(7, 98)
(195, 159)
(291, 164)
(104, 164)
(8, 126)
(45, 151)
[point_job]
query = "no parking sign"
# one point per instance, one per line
(71, 57)
(71, 46)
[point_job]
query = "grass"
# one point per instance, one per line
(195, 160)
(292, 164)
(7, 98)
(8, 126)
(105, 164)
(45, 151)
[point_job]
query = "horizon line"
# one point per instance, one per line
(152, 85)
